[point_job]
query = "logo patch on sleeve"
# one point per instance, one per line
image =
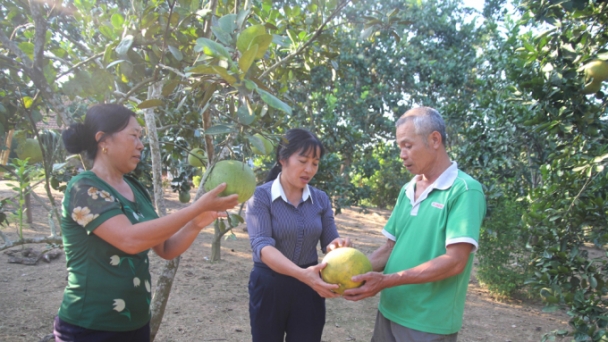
(437, 205)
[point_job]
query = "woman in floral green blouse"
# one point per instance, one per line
(109, 225)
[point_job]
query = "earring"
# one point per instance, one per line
(104, 150)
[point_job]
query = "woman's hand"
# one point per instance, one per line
(211, 201)
(338, 243)
(207, 217)
(313, 279)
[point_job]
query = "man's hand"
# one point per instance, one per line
(373, 285)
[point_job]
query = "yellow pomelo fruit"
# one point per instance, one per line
(343, 264)
(597, 69)
(29, 149)
(592, 87)
(239, 179)
(268, 146)
(197, 158)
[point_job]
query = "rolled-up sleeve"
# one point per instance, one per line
(258, 222)
(330, 232)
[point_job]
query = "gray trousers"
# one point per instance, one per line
(388, 331)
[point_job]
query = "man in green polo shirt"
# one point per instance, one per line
(423, 269)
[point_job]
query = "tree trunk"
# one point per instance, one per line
(4, 155)
(165, 281)
(216, 245)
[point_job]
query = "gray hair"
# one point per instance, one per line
(426, 120)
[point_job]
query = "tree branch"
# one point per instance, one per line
(78, 65)
(39, 35)
(123, 95)
(135, 88)
(177, 72)
(13, 48)
(312, 39)
(8, 243)
(13, 63)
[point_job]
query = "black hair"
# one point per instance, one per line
(107, 118)
(295, 140)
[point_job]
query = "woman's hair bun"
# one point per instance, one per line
(77, 138)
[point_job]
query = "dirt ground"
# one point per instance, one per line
(209, 300)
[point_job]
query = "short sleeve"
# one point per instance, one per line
(390, 228)
(466, 215)
(89, 205)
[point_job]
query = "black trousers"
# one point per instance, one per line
(282, 308)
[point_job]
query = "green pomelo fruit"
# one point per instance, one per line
(184, 197)
(30, 149)
(197, 158)
(268, 146)
(592, 87)
(239, 179)
(597, 69)
(343, 264)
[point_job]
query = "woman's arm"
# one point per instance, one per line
(181, 240)
(135, 238)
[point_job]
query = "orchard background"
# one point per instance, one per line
(511, 81)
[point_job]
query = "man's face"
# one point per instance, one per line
(416, 154)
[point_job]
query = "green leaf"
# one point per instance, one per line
(27, 102)
(218, 129)
(273, 102)
(201, 69)
(246, 38)
(235, 219)
(125, 45)
(221, 35)
(223, 73)
(263, 42)
(250, 85)
(227, 23)
(176, 53)
(169, 87)
(241, 18)
(150, 103)
(211, 48)
(27, 48)
(245, 115)
(257, 142)
(114, 63)
(117, 21)
(248, 57)
(107, 31)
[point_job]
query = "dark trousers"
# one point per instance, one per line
(66, 332)
(282, 308)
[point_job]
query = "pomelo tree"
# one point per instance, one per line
(200, 74)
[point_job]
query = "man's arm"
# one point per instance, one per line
(452, 263)
(379, 257)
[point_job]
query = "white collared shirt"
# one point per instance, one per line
(277, 191)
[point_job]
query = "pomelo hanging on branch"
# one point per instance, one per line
(239, 179)
(343, 264)
(597, 69)
(30, 149)
(268, 146)
(197, 157)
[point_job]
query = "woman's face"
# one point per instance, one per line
(124, 147)
(299, 169)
